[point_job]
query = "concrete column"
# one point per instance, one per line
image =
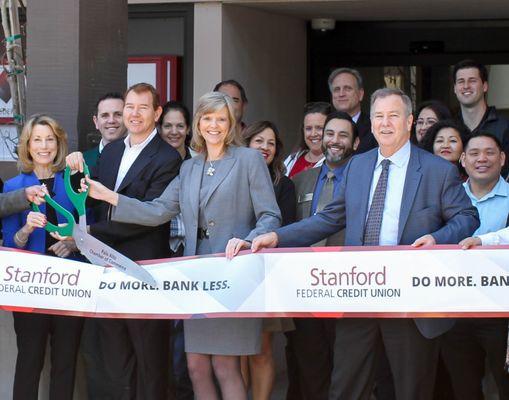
(76, 52)
(207, 47)
(267, 54)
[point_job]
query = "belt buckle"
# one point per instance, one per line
(203, 233)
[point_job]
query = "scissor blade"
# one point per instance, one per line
(99, 253)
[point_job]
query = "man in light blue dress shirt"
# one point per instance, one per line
(471, 342)
(394, 195)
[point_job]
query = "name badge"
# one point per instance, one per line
(305, 197)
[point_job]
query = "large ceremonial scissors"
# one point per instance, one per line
(93, 249)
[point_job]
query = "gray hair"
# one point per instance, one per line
(350, 71)
(386, 92)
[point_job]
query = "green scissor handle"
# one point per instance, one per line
(77, 199)
(64, 230)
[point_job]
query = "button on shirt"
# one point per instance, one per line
(130, 155)
(338, 173)
(493, 210)
(394, 194)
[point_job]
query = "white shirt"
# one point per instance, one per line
(355, 118)
(130, 155)
(394, 194)
(495, 238)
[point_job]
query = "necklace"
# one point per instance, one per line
(211, 169)
(52, 175)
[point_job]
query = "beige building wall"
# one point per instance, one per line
(266, 53)
(207, 52)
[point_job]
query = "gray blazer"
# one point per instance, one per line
(13, 202)
(240, 203)
(434, 202)
(305, 183)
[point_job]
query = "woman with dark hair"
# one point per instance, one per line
(309, 152)
(429, 113)
(259, 369)
(264, 136)
(174, 127)
(42, 149)
(445, 139)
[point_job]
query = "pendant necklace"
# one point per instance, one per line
(211, 169)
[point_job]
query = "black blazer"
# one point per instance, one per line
(367, 140)
(155, 167)
(285, 197)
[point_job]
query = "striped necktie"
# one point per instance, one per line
(375, 215)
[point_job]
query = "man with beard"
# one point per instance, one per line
(310, 345)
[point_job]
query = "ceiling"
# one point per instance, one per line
(385, 10)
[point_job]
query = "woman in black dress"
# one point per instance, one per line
(264, 136)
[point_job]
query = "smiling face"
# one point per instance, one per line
(214, 127)
(338, 144)
(265, 142)
(390, 124)
(174, 129)
(469, 87)
(42, 146)
(483, 160)
(425, 120)
(108, 120)
(313, 131)
(139, 115)
(346, 94)
(448, 144)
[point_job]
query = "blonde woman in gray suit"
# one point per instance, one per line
(226, 199)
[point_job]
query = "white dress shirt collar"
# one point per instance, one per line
(400, 158)
(130, 155)
(127, 141)
(355, 117)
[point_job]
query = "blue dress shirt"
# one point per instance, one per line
(493, 207)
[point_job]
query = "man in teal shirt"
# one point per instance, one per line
(108, 121)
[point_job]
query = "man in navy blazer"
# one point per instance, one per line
(425, 204)
(135, 351)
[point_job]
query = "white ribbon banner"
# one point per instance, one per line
(325, 282)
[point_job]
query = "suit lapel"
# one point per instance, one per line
(110, 174)
(366, 176)
(310, 187)
(224, 167)
(193, 188)
(412, 180)
(141, 162)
